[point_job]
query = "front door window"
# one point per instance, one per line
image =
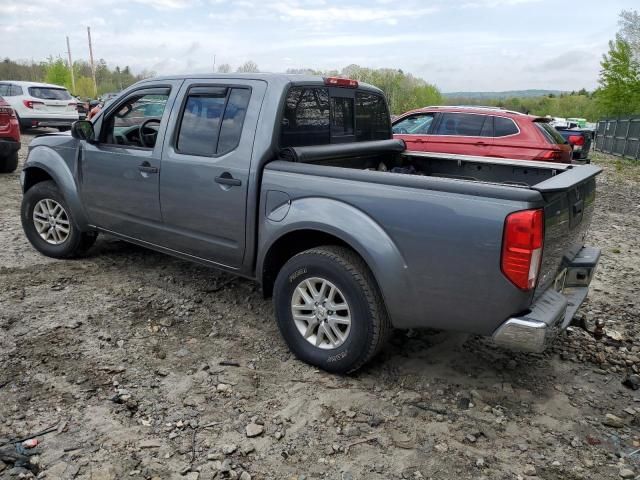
(135, 122)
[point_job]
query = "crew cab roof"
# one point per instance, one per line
(276, 79)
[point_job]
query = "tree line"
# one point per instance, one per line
(56, 71)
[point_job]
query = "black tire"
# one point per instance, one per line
(24, 126)
(75, 244)
(9, 163)
(370, 326)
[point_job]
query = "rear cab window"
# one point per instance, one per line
(49, 93)
(312, 115)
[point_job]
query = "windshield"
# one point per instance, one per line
(49, 93)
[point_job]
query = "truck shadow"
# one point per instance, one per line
(412, 360)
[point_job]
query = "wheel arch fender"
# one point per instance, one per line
(313, 221)
(45, 164)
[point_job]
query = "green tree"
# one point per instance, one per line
(619, 92)
(84, 87)
(58, 73)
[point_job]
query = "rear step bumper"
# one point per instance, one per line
(553, 310)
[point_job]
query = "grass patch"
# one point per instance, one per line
(624, 168)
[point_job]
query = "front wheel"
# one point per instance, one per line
(49, 225)
(329, 309)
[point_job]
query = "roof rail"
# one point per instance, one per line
(478, 107)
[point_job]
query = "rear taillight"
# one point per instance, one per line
(6, 111)
(522, 247)
(551, 156)
(31, 103)
(340, 82)
(576, 140)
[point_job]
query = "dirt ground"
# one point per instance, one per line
(145, 366)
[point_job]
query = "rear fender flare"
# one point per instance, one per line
(356, 229)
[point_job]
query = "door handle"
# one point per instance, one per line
(227, 179)
(145, 167)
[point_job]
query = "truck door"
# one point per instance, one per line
(206, 168)
(119, 172)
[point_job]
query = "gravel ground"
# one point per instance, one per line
(146, 366)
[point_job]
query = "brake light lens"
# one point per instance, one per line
(6, 110)
(340, 82)
(551, 156)
(31, 103)
(576, 140)
(522, 247)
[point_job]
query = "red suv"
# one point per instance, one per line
(9, 138)
(481, 131)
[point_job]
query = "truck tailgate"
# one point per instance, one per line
(569, 202)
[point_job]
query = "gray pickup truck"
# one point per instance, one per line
(296, 182)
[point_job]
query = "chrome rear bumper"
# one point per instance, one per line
(553, 310)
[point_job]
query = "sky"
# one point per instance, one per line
(465, 45)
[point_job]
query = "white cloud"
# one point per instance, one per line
(489, 44)
(168, 4)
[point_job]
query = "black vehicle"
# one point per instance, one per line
(579, 139)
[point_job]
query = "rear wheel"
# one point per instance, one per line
(23, 125)
(9, 163)
(329, 309)
(49, 225)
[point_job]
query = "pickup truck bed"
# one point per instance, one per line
(456, 206)
(296, 182)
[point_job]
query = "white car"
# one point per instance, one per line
(40, 104)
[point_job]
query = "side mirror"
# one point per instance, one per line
(82, 130)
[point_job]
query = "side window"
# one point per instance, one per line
(487, 128)
(462, 124)
(418, 124)
(4, 89)
(200, 124)
(15, 91)
(372, 117)
(504, 127)
(212, 120)
(342, 117)
(305, 120)
(233, 120)
(122, 127)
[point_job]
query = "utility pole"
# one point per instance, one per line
(214, 63)
(73, 80)
(93, 67)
